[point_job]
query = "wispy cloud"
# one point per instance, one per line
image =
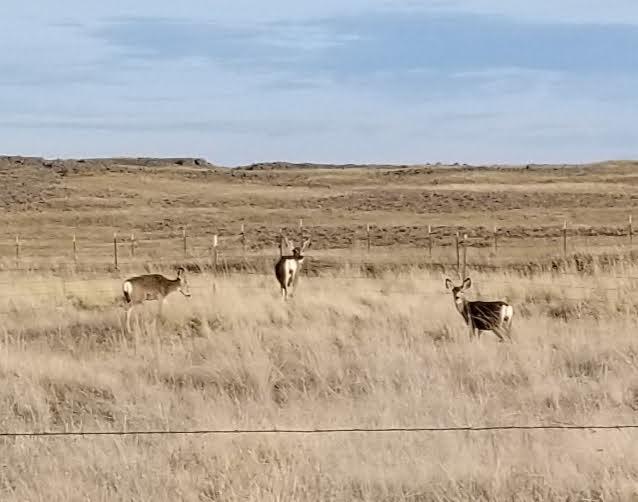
(364, 80)
(396, 41)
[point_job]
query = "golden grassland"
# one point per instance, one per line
(370, 339)
(385, 351)
(45, 203)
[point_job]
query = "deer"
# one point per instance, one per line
(147, 287)
(495, 316)
(288, 266)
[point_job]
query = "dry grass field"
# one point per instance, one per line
(46, 202)
(355, 347)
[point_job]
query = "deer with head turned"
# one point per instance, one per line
(495, 316)
(142, 288)
(288, 266)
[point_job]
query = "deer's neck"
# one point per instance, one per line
(463, 308)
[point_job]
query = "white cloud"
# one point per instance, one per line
(562, 11)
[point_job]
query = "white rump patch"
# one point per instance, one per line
(506, 314)
(127, 287)
(290, 268)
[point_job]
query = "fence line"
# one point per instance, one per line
(491, 240)
(333, 430)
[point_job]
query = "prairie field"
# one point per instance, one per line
(356, 347)
(45, 203)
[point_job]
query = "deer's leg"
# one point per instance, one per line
(498, 333)
(291, 284)
(508, 332)
(161, 304)
(473, 330)
(128, 317)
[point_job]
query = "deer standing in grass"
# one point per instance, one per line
(495, 316)
(288, 267)
(142, 288)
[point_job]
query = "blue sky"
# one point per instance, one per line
(400, 81)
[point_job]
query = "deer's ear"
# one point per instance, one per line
(305, 244)
(288, 244)
(448, 284)
(467, 283)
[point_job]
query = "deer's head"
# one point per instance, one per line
(297, 251)
(183, 283)
(458, 292)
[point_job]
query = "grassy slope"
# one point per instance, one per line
(46, 205)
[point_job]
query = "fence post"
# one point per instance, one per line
(430, 242)
(243, 242)
(132, 245)
(368, 241)
(464, 256)
(631, 234)
(17, 251)
(75, 251)
(281, 242)
(565, 239)
(184, 245)
(215, 253)
(458, 255)
(495, 240)
(115, 250)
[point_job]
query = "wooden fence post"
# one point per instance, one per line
(565, 239)
(368, 240)
(132, 245)
(464, 256)
(281, 242)
(184, 245)
(631, 234)
(115, 250)
(430, 242)
(75, 251)
(495, 240)
(243, 242)
(215, 252)
(17, 251)
(458, 255)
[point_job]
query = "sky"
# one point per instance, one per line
(376, 81)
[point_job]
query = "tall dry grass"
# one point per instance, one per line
(383, 352)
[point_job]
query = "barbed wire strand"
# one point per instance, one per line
(334, 430)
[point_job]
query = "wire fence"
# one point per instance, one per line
(308, 431)
(245, 244)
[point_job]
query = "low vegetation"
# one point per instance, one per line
(370, 339)
(46, 202)
(382, 351)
